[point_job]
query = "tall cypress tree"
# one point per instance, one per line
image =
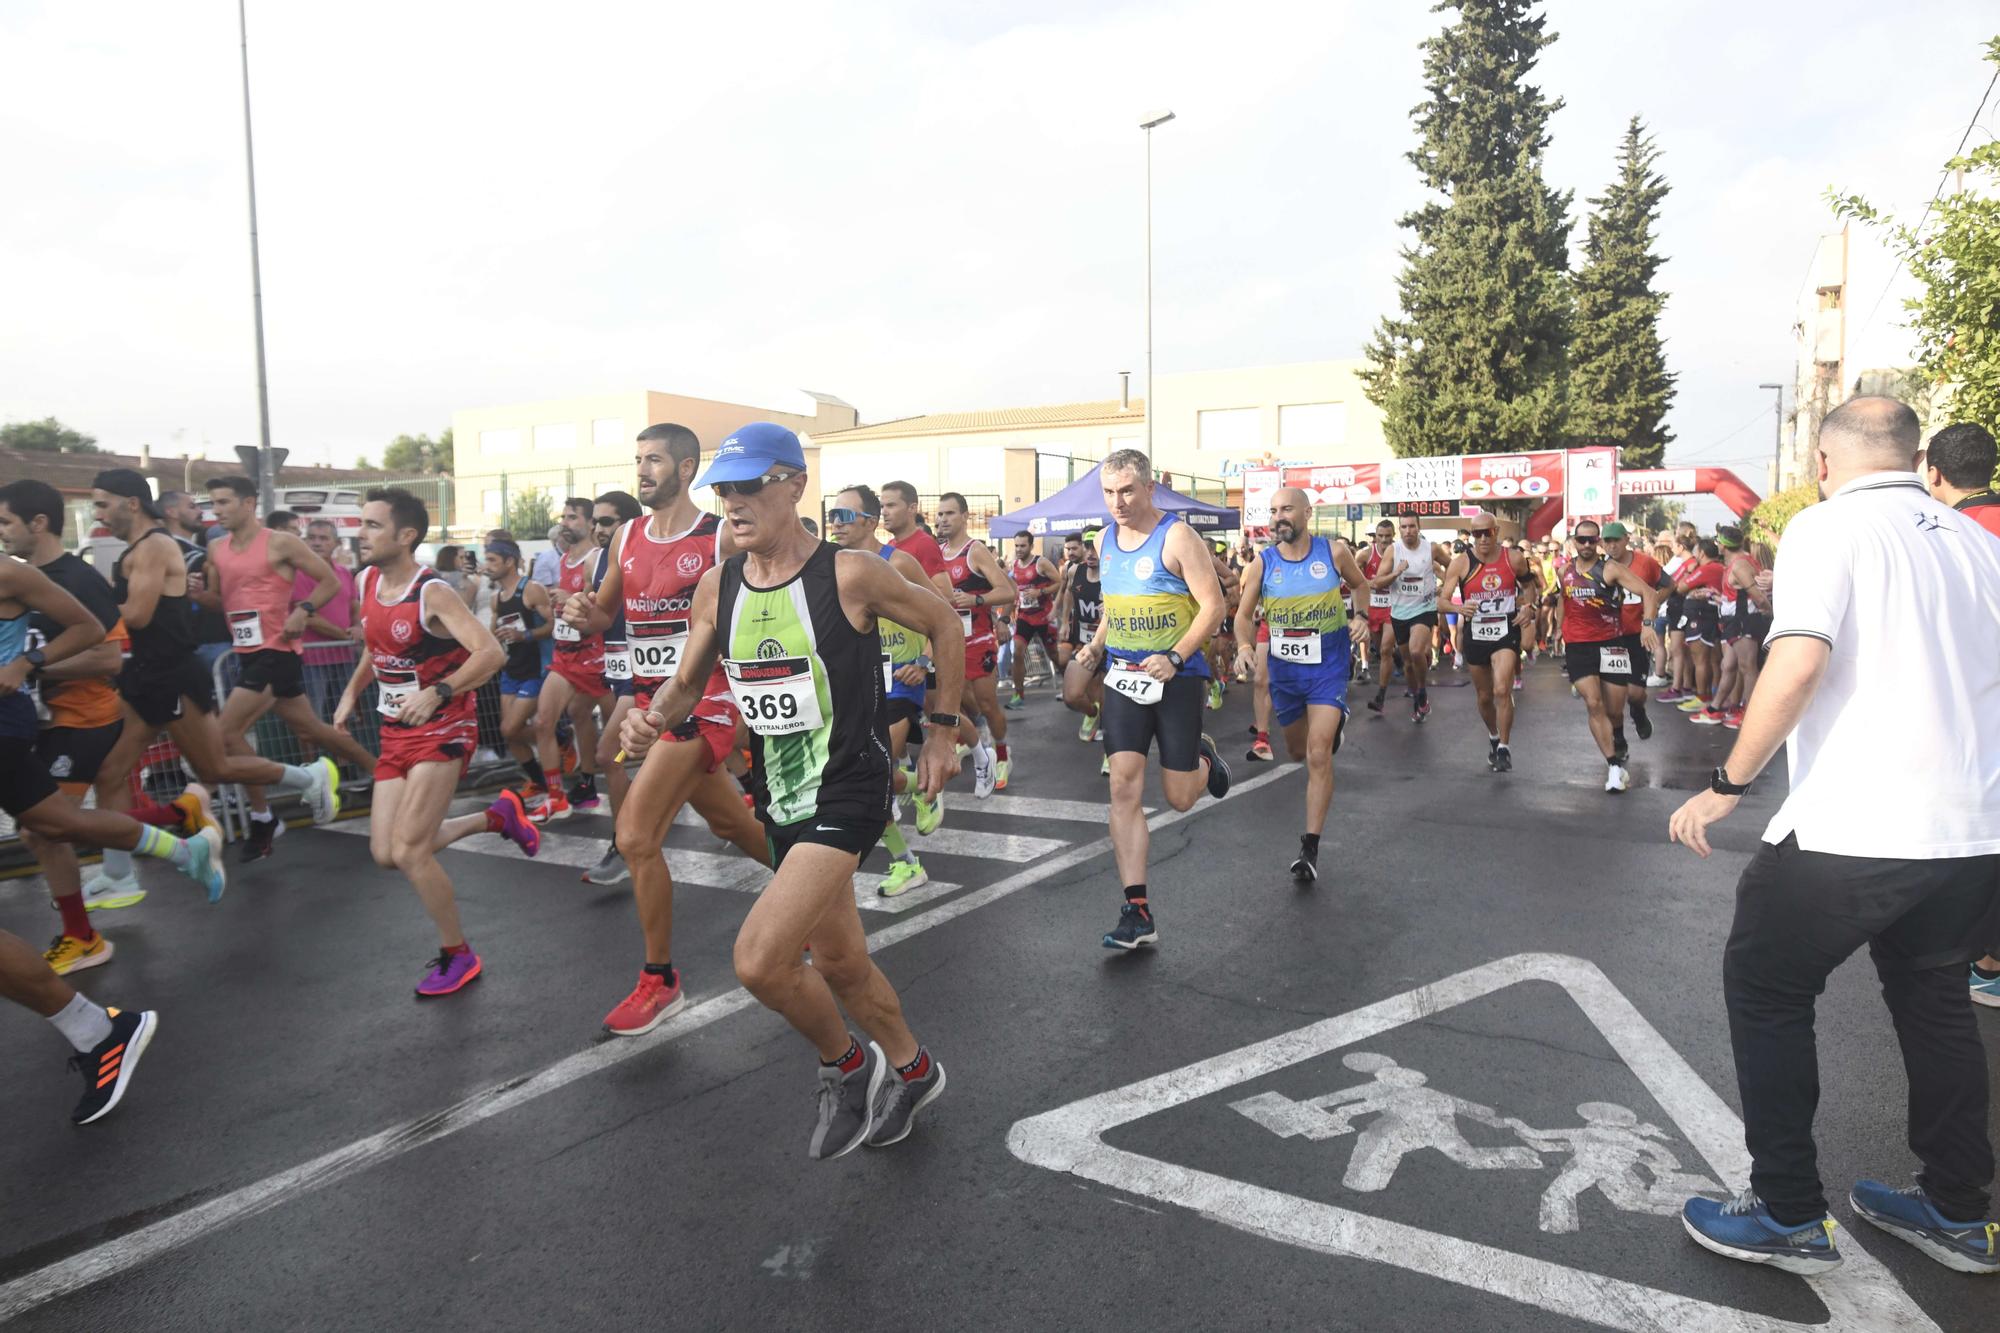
(1620, 387)
(1475, 361)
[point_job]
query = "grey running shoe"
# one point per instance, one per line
(610, 869)
(847, 1105)
(900, 1103)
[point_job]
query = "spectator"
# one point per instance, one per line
(283, 520)
(327, 669)
(547, 567)
(1959, 467)
(1884, 658)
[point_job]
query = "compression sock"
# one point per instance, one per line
(84, 1025)
(665, 971)
(1309, 844)
(161, 845)
(898, 845)
(920, 1065)
(463, 946)
(117, 864)
(985, 732)
(75, 917)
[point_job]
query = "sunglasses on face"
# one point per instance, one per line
(610, 522)
(746, 489)
(848, 515)
(1585, 541)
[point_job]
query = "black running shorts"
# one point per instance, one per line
(1429, 618)
(1174, 723)
(846, 832)
(271, 669)
(24, 781)
(74, 754)
(1479, 652)
(155, 692)
(1587, 659)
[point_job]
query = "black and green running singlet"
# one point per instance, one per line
(810, 687)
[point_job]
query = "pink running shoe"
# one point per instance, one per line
(510, 813)
(450, 972)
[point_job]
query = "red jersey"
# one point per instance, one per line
(1491, 591)
(1591, 603)
(406, 656)
(1740, 602)
(1983, 509)
(923, 548)
(659, 577)
(1029, 581)
(1371, 567)
(1708, 574)
(583, 651)
(978, 620)
(1650, 574)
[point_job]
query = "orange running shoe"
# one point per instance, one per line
(651, 1003)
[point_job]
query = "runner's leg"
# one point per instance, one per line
(415, 817)
(297, 713)
(550, 707)
(1500, 684)
(240, 712)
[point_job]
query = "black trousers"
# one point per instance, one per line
(1801, 914)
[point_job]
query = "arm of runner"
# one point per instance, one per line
(289, 550)
(1188, 556)
(1390, 569)
(1527, 577)
(536, 598)
(1624, 577)
(1252, 584)
(983, 564)
(1454, 574)
(350, 698)
(38, 592)
(485, 654)
(592, 610)
(146, 581)
(671, 706)
(1787, 683)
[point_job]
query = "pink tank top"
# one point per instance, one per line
(256, 598)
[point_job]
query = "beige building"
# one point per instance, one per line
(583, 446)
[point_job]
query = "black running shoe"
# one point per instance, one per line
(1375, 704)
(257, 843)
(1642, 724)
(1135, 929)
(107, 1071)
(1503, 759)
(1218, 772)
(1306, 869)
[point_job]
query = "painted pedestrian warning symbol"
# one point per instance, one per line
(1395, 1113)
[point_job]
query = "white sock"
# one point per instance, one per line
(1493, 736)
(84, 1025)
(261, 816)
(296, 778)
(117, 864)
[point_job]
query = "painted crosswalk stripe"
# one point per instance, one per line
(1038, 807)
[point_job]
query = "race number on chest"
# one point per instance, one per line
(776, 694)
(657, 646)
(1127, 679)
(246, 629)
(1296, 645)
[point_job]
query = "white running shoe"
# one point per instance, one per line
(1616, 779)
(1657, 682)
(102, 892)
(983, 774)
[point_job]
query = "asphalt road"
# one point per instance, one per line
(1224, 1133)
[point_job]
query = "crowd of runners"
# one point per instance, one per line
(800, 694)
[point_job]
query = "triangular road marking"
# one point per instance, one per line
(1860, 1297)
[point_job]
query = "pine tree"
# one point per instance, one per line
(1620, 387)
(1475, 361)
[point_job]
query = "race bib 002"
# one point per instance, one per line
(657, 646)
(1127, 679)
(776, 694)
(1296, 645)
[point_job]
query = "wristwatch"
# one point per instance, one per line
(1176, 659)
(35, 658)
(444, 692)
(942, 720)
(1720, 784)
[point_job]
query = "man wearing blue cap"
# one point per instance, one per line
(793, 620)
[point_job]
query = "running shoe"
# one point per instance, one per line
(204, 862)
(197, 809)
(929, 813)
(552, 807)
(1015, 704)
(1707, 717)
(1503, 760)
(1654, 682)
(1088, 731)
(104, 893)
(901, 1100)
(570, 758)
(1305, 870)
(449, 972)
(323, 797)
(610, 868)
(1519, 684)
(508, 808)
(1134, 930)
(582, 793)
(1643, 725)
(1733, 719)
(1909, 1215)
(847, 1105)
(1375, 703)
(257, 844)
(107, 1070)
(1421, 711)
(1672, 696)
(1694, 703)
(1744, 1229)
(1104, 769)
(69, 954)
(1002, 770)
(651, 1003)
(1218, 772)
(1985, 990)
(1214, 694)
(1260, 753)
(902, 877)
(982, 772)
(1616, 779)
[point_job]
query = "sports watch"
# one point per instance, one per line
(1720, 784)
(942, 719)
(444, 692)
(1176, 659)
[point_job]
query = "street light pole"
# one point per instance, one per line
(266, 483)
(1147, 124)
(1777, 436)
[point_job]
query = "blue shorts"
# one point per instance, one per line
(1294, 686)
(531, 688)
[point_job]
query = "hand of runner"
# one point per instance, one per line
(638, 732)
(1086, 656)
(1525, 617)
(913, 674)
(961, 599)
(1650, 638)
(1689, 825)
(343, 712)
(937, 762)
(1246, 658)
(13, 675)
(578, 609)
(419, 708)
(1158, 667)
(295, 623)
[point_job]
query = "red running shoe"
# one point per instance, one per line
(651, 1003)
(511, 814)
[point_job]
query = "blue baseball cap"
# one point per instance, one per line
(751, 451)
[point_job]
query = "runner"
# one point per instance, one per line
(1744, 620)
(906, 665)
(426, 654)
(1034, 580)
(574, 686)
(163, 684)
(1413, 613)
(978, 587)
(1072, 561)
(1296, 585)
(1221, 646)
(1502, 599)
(1701, 584)
(1083, 608)
(656, 562)
(1679, 669)
(1599, 665)
(254, 569)
(522, 617)
(1375, 561)
(1161, 602)
(612, 511)
(1618, 546)
(793, 622)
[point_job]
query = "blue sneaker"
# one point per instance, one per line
(1744, 1229)
(204, 862)
(1985, 990)
(1908, 1215)
(1135, 929)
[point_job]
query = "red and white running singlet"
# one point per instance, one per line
(1491, 596)
(1591, 602)
(583, 651)
(978, 620)
(406, 656)
(658, 577)
(1031, 588)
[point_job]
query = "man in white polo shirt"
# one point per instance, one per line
(1884, 659)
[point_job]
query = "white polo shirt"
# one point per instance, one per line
(1898, 754)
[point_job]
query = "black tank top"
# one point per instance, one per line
(168, 640)
(524, 659)
(1089, 594)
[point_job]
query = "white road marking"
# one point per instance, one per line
(1860, 1297)
(1034, 807)
(170, 1233)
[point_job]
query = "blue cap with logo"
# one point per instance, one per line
(751, 451)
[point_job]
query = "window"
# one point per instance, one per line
(493, 442)
(1311, 426)
(608, 433)
(1229, 430)
(561, 435)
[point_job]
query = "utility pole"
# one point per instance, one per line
(1147, 124)
(266, 468)
(1777, 436)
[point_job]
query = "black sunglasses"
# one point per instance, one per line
(1585, 541)
(746, 489)
(610, 522)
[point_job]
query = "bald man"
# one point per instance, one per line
(1297, 583)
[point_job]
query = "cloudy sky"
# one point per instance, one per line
(917, 206)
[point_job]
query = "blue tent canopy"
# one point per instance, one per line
(1080, 505)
